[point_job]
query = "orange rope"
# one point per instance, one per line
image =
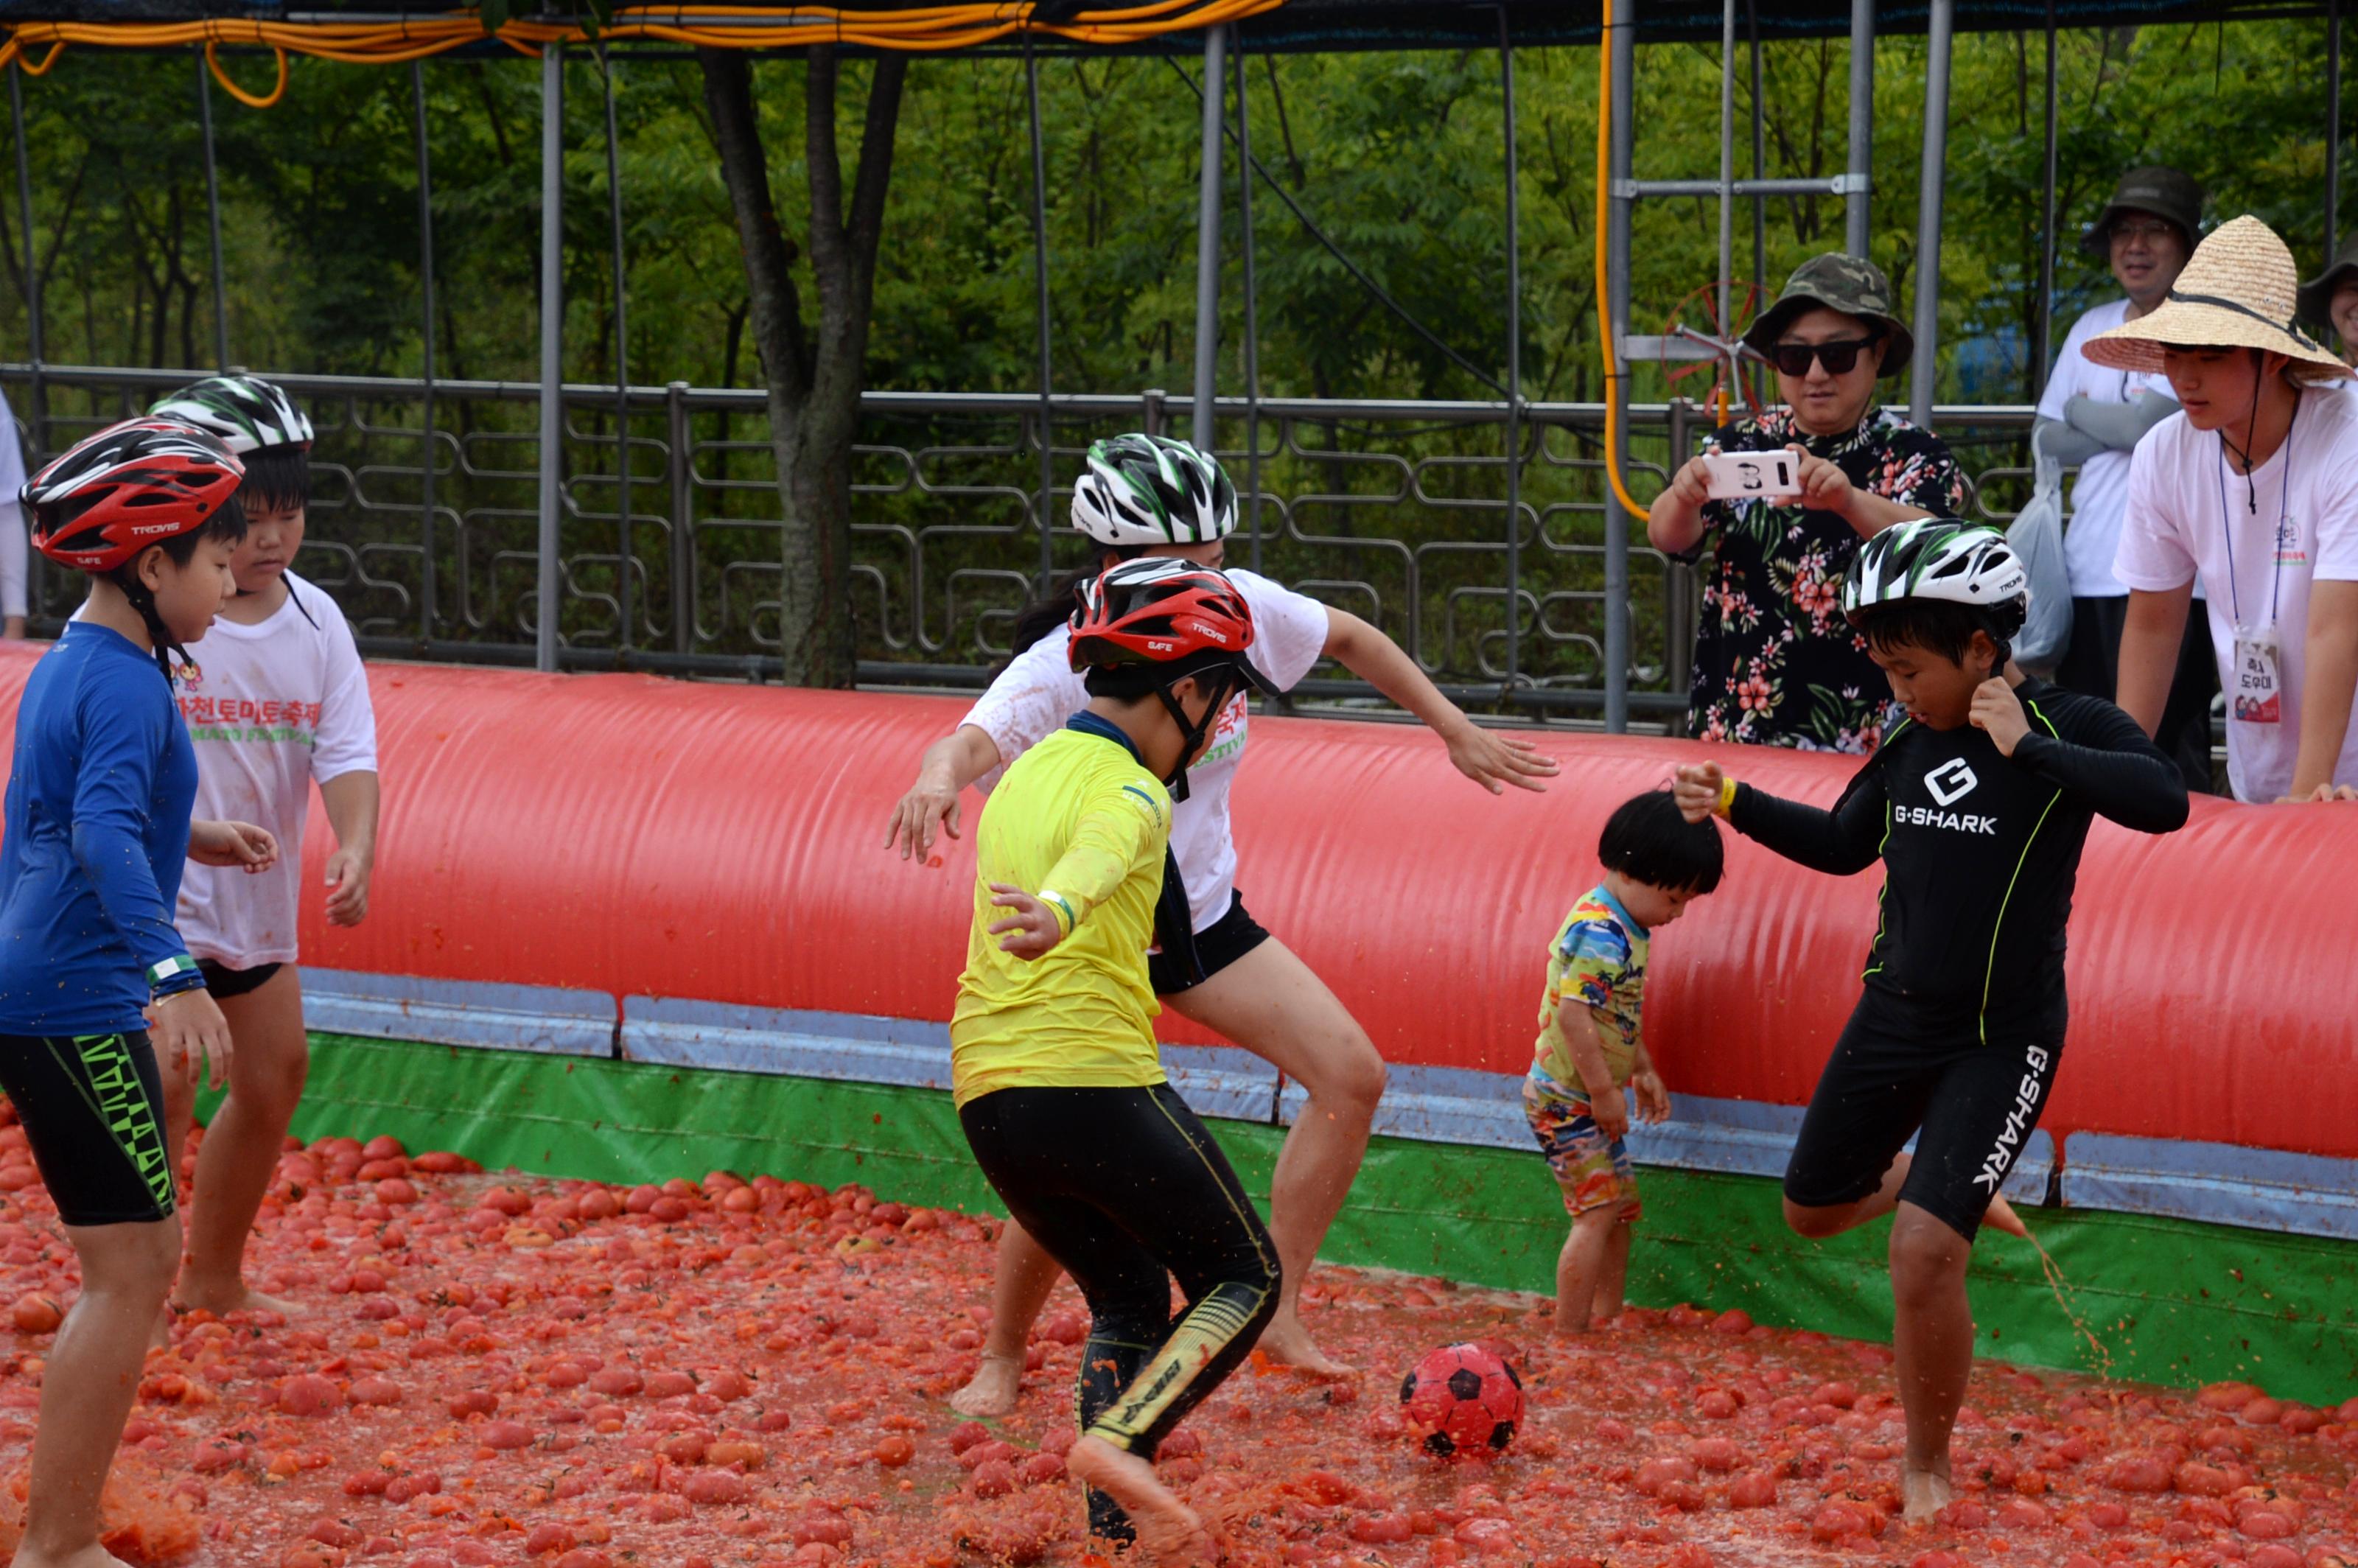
(952, 26)
(212, 63)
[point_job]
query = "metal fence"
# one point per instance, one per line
(670, 559)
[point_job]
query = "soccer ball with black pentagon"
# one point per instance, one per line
(1462, 1399)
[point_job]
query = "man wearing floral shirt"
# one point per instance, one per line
(1775, 662)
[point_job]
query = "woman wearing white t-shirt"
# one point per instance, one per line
(279, 700)
(2255, 487)
(1146, 495)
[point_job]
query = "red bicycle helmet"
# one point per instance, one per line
(1160, 611)
(143, 482)
(1168, 619)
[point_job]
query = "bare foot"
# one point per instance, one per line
(1288, 1344)
(993, 1390)
(220, 1300)
(1168, 1530)
(161, 1337)
(91, 1556)
(1923, 1493)
(2000, 1214)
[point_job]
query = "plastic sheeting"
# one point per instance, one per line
(637, 837)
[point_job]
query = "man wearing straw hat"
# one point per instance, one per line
(2255, 485)
(2093, 417)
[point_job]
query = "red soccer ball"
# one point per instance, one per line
(1462, 1399)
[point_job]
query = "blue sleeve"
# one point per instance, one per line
(122, 744)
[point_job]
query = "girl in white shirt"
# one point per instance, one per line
(278, 701)
(1147, 495)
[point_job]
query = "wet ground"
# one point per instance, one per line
(493, 1371)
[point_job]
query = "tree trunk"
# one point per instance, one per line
(813, 378)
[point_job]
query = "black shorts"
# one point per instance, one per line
(92, 1109)
(225, 982)
(1218, 945)
(1896, 1071)
(1126, 1189)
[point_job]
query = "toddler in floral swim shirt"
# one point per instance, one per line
(1590, 1042)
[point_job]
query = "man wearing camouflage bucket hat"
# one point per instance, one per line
(2091, 418)
(2330, 301)
(2254, 486)
(1776, 664)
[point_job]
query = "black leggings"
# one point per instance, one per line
(1126, 1189)
(92, 1106)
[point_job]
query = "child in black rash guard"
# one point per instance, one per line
(1977, 803)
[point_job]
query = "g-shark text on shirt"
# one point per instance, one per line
(1954, 821)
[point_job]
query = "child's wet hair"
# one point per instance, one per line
(1649, 839)
(277, 478)
(1936, 626)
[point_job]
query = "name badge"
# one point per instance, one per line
(2258, 695)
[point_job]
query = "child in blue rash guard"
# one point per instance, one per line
(1978, 803)
(95, 983)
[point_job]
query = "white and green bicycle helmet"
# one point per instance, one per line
(247, 413)
(1152, 489)
(1942, 558)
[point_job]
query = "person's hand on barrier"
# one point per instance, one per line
(1492, 760)
(1691, 484)
(1609, 1111)
(1032, 929)
(2323, 791)
(347, 887)
(1696, 787)
(929, 807)
(241, 844)
(1653, 1098)
(1824, 486)
(1998, 713)
(186, 1026)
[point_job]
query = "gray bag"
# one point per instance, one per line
(2037, 539)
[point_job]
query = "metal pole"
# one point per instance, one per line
(1624, 44)
(1855, 235)
(1515, 364)
(1208, 237)
(38, 412)
(1726, 160)
(2332, 127)
(212, 213)
(1932, 180)
(1252, 313)
(552, 331)
(2042, 337)
(622, 358)
(426, 607)
(1040, 274)
(1759, 163)
(677, 433)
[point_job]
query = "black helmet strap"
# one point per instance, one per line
(1220, 682)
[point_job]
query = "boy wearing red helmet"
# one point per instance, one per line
(97, 831)
(1058, 1085)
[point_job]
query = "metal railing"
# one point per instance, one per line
(1395, 511)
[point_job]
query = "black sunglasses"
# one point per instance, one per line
(1839, 357)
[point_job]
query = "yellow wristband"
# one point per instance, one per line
(1727, 802)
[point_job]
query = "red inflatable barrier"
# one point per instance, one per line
(637, 836)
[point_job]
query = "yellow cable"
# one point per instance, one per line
(213, 63)
(1603, 310)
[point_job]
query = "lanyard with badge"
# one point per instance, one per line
(2258, 693)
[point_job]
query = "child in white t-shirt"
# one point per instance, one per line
(2255, 487)
(278, 701)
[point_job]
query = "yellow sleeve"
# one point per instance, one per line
(1125, 826)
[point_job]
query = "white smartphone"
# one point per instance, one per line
(1752, 476)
